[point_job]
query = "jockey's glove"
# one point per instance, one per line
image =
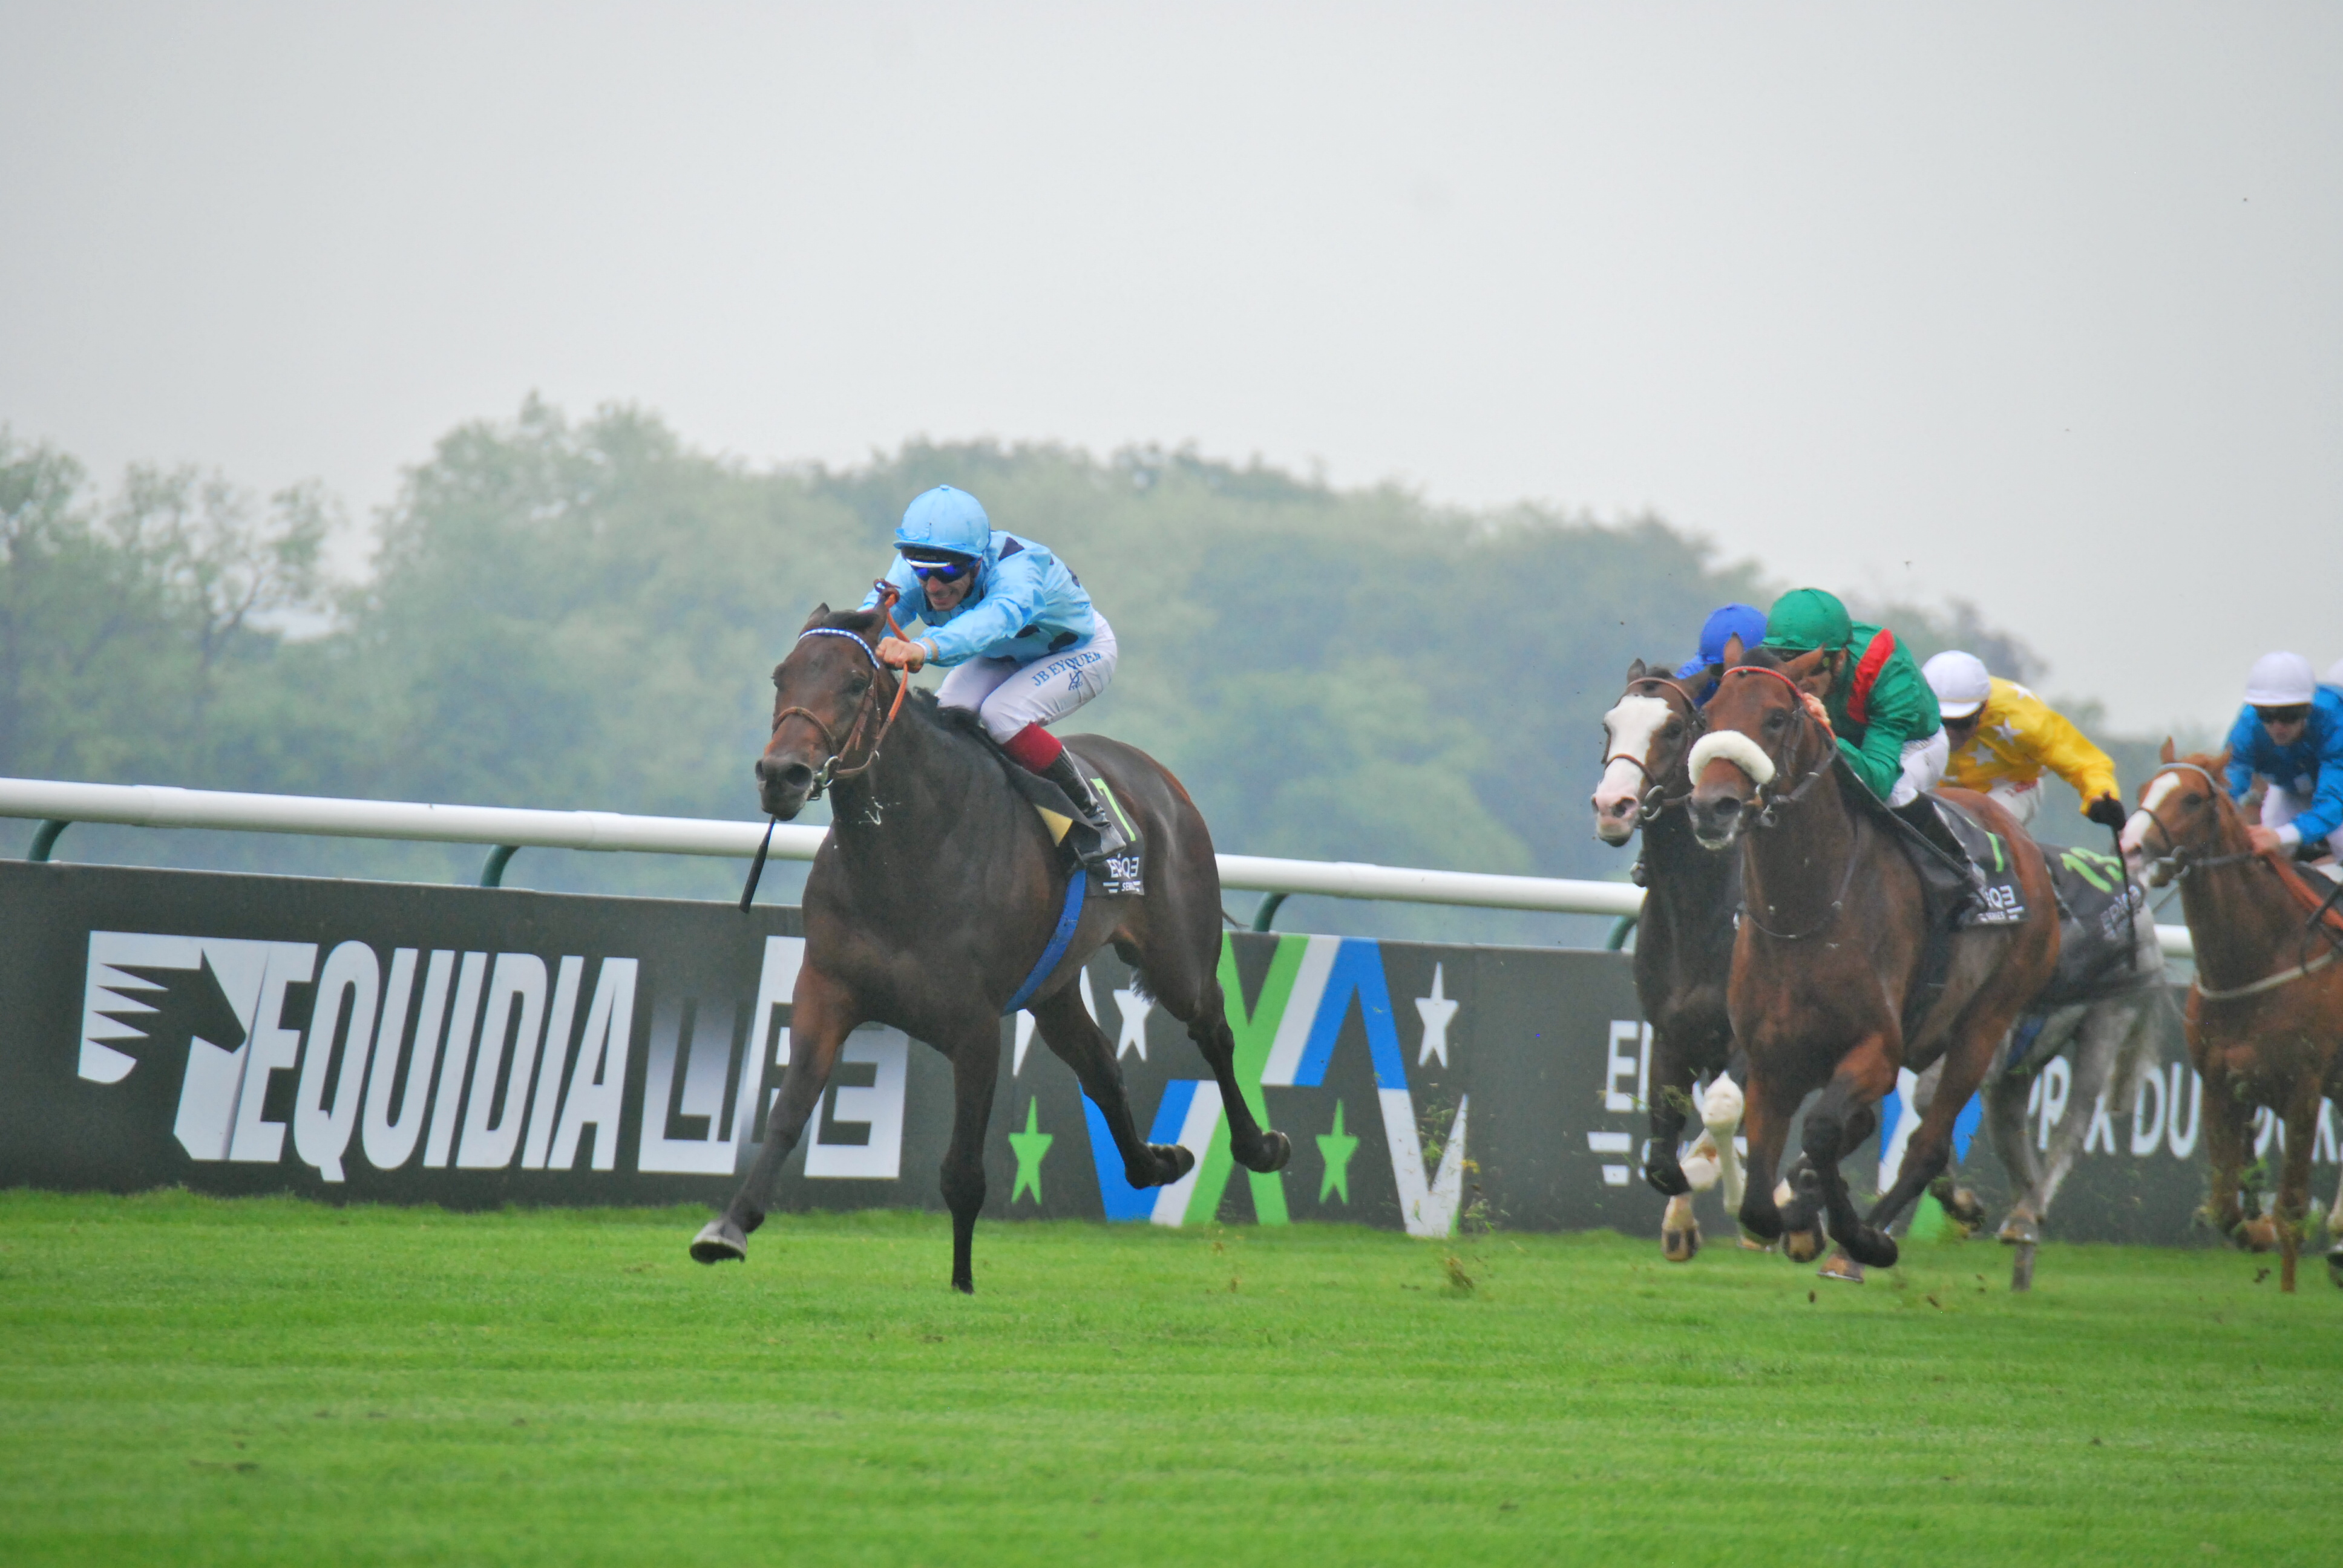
(2106, 811)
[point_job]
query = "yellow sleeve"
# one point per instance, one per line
(2058, 746)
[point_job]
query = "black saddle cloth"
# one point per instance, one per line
(2097, 948)
(1968, 878)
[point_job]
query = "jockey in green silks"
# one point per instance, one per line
(1870, 688)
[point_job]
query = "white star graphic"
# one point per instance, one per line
(1134, 1009)
(1436, 1011)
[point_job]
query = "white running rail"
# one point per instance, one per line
(164, 806)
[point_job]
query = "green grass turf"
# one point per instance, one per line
(190, 1380)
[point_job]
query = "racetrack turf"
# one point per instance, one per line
(191, 1380)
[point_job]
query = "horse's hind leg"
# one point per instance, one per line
(1184, 975)
(2005, 1109)
(1839, 1120)
(823, 1016)
(1069, 1032)
(976, 1068)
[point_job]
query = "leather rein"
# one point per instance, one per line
(1769, 814)
(829, 772)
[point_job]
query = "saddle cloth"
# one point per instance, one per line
(2098, 954)
(1119, 876)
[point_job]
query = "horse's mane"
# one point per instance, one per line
(1762, 658)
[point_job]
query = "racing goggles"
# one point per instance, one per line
(2293, 713)
(940, 567)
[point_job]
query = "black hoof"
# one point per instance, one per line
(1761, 1220)
(965, 1287)
(1667, 1179)
(1272, 1153)
(1173, 1160)
(719, 1242)
(1872, 1248)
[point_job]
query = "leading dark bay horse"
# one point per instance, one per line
(1684, 941)
(935, 897)
(1831, 947)
(2264, 1014)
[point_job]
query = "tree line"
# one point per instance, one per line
(584, 613)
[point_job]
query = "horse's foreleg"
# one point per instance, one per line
(2005, 1112)
(1250, 1145)
(1720, 1112)
(2294, 1178)
(1671, 1108)
(821, 1018)
(1842, 1118)
(2229, 1137)
(1068, 1033)
(2099, 1041)
(1768, 1124)
(976, 1068)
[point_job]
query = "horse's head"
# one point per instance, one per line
(823, 707)
(2184, 814)
(1644, 738)
(1758, 733)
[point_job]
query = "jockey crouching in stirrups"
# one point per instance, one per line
(1869, 688)
(2003, 739)
(2290, 733)
(1024, 645)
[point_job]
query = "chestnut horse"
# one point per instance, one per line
(1830, 949)
(935, 897)
(2264, 1015)
(1683, 943)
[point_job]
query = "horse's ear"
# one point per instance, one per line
(2221, 763)
(1735, 650)
(1635, 672)
(820, 613)
(2168, 754)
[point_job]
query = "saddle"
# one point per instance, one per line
(1119, 875)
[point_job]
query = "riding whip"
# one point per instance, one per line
(757, 865)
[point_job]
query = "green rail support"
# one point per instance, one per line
(1619, 933)
(1266, 915)
(492, 875)
(44, 839)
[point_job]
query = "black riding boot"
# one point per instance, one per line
(1953, 887)
(1096, 834)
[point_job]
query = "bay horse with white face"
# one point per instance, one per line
(1830, 949)
(2264, 1014)
(1684, 942)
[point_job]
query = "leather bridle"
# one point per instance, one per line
(830, 772)
(1654, 799)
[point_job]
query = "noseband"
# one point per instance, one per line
(2179, 860)
(829, 772)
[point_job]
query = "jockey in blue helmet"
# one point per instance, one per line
(1724, 637)
(1023, 643)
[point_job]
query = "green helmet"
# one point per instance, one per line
(1806, 619)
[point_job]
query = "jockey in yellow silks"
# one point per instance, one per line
(2003, 739)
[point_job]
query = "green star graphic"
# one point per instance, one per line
(1336, 1149)
(1032, 1147)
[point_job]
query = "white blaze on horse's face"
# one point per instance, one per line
(2135, 832)
(1629, 729)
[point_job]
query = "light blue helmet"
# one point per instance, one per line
(944, 518)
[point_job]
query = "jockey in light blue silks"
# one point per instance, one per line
(2291, 732)
(1023, 643)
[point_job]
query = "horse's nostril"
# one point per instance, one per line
(1728, 806)
(797, 776)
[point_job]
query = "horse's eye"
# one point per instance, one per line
(1776, 720)
(1675, 728)
(2195, 802)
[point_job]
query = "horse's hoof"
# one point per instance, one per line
(1964, 1211)
(1749, 1243)
(719, 1242)
(1666, 1179)
(1275, 1150)
(1680, 1246)
(1803, 1246)
(2020, 1230)
(1873, 1249)
(1840, 1267)
(965, 1287)
(1764, 1223)
(1172, 1155)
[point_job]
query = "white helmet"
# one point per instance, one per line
(2280, 680)
(1960, 682)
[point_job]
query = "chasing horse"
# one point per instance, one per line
(956, 884)
(1684, 941)
(2265, 1013)
(1844, 970)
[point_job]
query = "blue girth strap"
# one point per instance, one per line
(1067, 920)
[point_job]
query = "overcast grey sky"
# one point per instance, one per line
(2041, 305)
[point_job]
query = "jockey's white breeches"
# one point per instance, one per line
(1008, 696)
(2022, 801)
(2281, 805)
(1924, 767)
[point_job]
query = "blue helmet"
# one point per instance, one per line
(944, 518)
(1746, 621)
